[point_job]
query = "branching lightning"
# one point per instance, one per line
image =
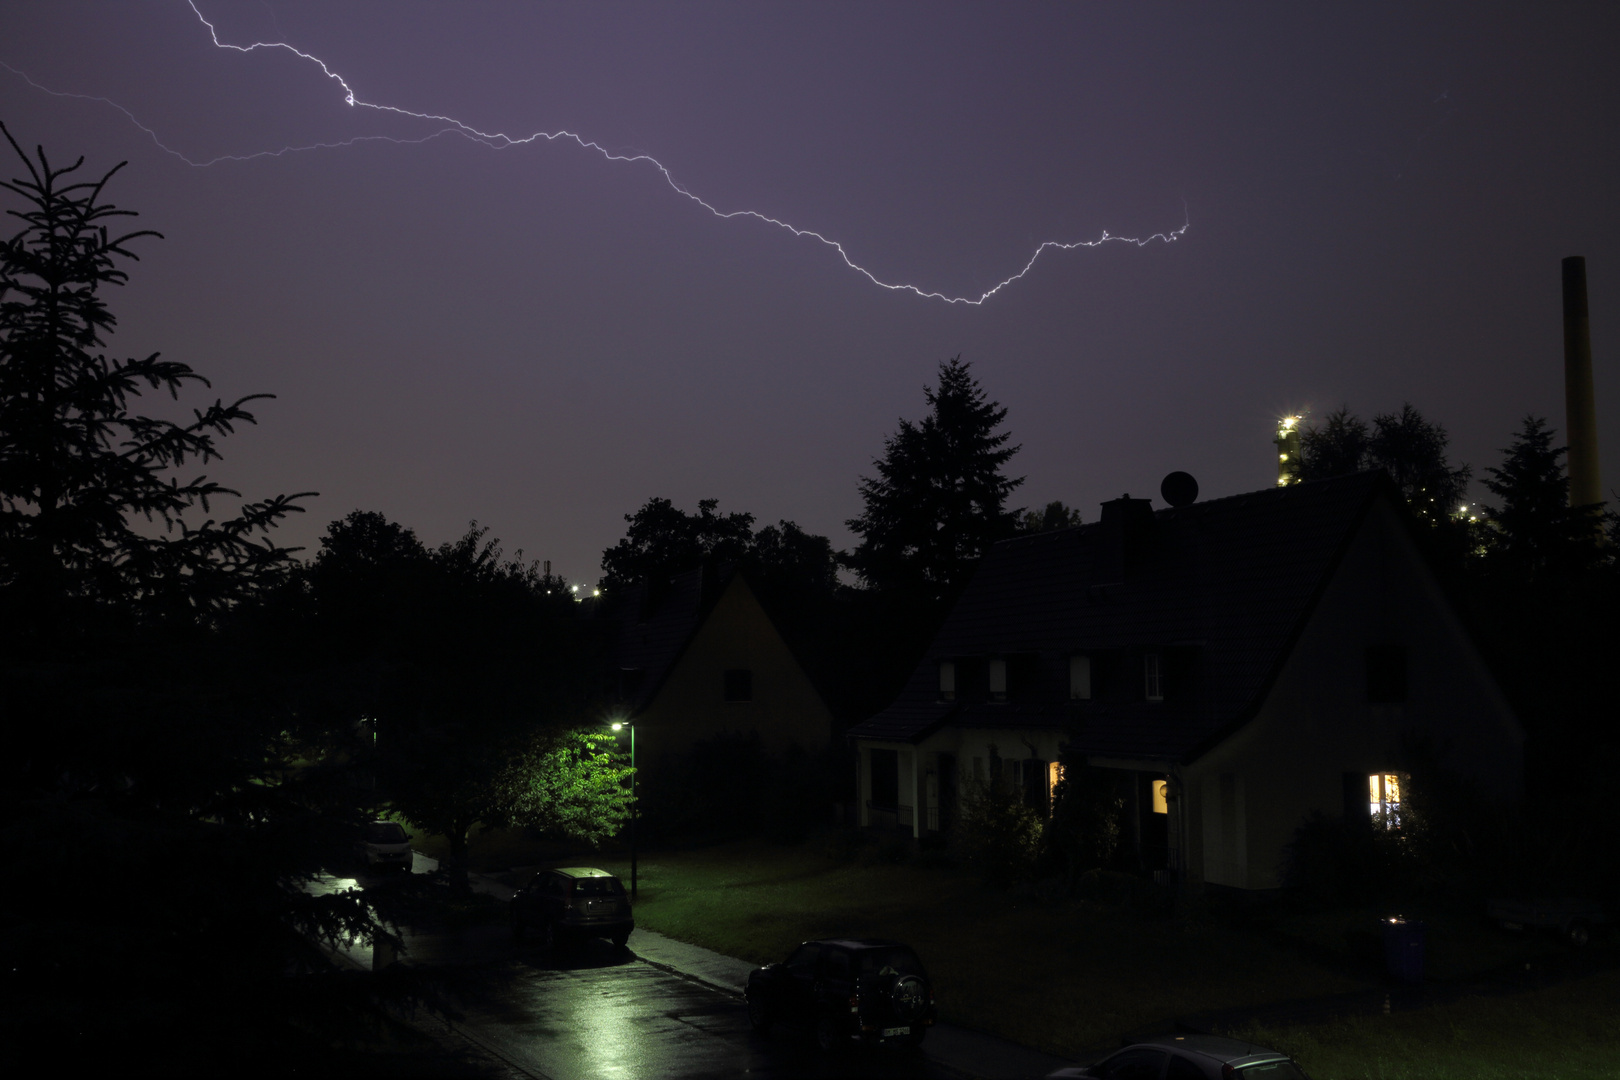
(501, 141)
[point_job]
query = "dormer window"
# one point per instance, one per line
(1079, 678)
(947, 680)
(1153, 676)
(998, 679)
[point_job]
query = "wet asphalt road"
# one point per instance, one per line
(594, 1012)
(600, 1013)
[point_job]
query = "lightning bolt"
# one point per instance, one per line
(501, 141)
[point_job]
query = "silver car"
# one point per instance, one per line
(1188, 1057)
(386, 846)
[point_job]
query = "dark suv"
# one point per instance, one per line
(845, 992)
(573, 903)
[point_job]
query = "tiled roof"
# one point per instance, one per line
(653, 629)
(1231, 581)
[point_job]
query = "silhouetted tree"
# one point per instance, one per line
(158, 840)
(471, 669)
(79, 471)
(939, 498)
(1534, 531)
(1404, 444)
(1338, 447)
(1054, 516)
(663, 541)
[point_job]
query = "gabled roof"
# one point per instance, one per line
(654, 627)
(1237, 578)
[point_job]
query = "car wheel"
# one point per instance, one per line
(548, 938)
(910, 998)
(621, 940)
(916, 1036)
(829, 1040)
(759, 1014)
(517, 930)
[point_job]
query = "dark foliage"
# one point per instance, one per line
(939, 498)
(1534, 533)
(1404, 444)
(1054, 516)
(1088, 811)
(159, 839)
(456, 661)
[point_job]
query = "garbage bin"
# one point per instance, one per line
(1403, 950)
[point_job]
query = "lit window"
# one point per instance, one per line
(947, 680)
(1384, 797)
(739, 684)
(1161, 799)
(1153, 676)
(998, 680)
(1079, 678)
(1054, 777)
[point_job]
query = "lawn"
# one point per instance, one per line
(1069, 977)
(1566, 1032)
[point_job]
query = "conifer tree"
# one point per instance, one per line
(939, 499)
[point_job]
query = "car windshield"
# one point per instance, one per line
(384, 832)
(893, 960)
(598, 886)
(1273, 1070)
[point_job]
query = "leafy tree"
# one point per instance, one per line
(1339, 447)
(663, 541)
(1054, 516)
(1404, 444)
(470, 667)
(147, 779)
(939, 498)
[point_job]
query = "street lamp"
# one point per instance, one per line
(631, 724)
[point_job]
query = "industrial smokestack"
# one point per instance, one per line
(1580, 405)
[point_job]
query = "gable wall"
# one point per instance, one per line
(1246, 797)
(691, 706)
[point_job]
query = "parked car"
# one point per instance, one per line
(1188, 1057)
(386, 845)
(1572, 918)
(845, 992)
(571, 904)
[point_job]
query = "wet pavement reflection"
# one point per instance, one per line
(603, 1013)
(594, 1011)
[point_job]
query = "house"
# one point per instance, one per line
(696, 657)
(1240, 663)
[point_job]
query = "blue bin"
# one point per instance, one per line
(1403, 950)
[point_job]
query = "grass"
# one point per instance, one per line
(1069, 977)
(1565, 1032)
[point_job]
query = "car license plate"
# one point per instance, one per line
(889, 1032)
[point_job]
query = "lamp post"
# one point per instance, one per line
(631, 724)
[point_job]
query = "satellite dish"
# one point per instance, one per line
(1179, 489)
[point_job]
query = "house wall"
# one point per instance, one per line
(690, 705)
(919, 762)
(1253, 790)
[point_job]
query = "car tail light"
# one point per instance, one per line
(1227, 1072)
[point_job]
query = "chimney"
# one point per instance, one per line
(1580, 405)
(1122, 535)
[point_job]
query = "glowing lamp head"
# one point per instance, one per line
(618, 727)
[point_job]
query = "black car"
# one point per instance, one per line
(1189, 1057)
(573, 903)
(846, 992)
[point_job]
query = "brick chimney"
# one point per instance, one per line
(1123, 534)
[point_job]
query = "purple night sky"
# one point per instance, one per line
(1378, 198)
